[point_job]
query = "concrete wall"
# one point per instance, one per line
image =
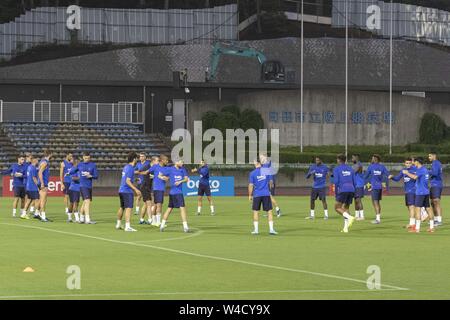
(323, 120)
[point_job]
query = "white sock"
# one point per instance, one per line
(418, 224)
(312, 213)
(346, 215)
(137, 209)
(31, 209)
(326, 213)
(277, 208)
(255, 226)
(150, 220)
(154, 219)
(24, 212)
(43, 215)
(69, 215)
(67, 210)
(163, 223)
(141, 220)
(361, 213)
(357, 214)
(271, 226)
(185, 225)
(199, 209)
(14, 212)
(439, 218)
(118, 224)
(82, 218)
(37, 213)
(431, 223)
(158, 218)
(77, 216)
(127, 225)
(88, 218)
(412, 221)
(378, 217)
(212, 209)
(345, 223)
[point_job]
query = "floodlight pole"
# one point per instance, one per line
(391, 77)
(301, 78)
(346, 78)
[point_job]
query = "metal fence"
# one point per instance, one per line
(119, 26)
(409, 21)
(75, 111)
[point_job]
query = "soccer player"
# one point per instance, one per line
(359, 187)
(74, 192)
(18, 172)
(422, 194)
(177, 175)
(376, 173)
(203, 187)
(159, 186)
(259, 194)
(65, 178)
(436, 187)
(146, 191)
(344, 180)
(140, 164)
(409, 186)
(43, 179)
(126, 193)
(31, 187)
(319, 188)
(88, 173)
(267, 164)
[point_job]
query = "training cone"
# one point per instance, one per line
(28, 269)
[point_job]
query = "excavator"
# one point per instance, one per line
(272, 71)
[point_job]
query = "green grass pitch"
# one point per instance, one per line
(221, 259)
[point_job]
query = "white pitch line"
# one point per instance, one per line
(261, 265)
(188, 293)
(195, 234)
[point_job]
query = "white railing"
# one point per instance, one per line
(75, 111)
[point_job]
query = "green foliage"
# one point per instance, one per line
(232, 109)
(208, 119)
(433, 129)
(251, 119)
(226, 120)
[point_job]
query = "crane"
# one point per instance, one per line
(271, 71)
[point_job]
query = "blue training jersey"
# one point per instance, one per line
(142, 167)
(436, 174)
(18, 173)
(31, 173)
(409, 185)
(45, 173)
(344, 178)
(376, 174)
(260, 182)
(127, 173)
(176, 174)
(74, 182)
(320, 173)
(67, 166)
(159, 184)
(86, 168)
(422, 182)
(204, 175)
(359, 175)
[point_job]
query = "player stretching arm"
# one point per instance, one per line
(344, 180)
(259, 194)
(126, 193)
(319, 188)
(266, 164)
(31, 186)
(176, 175)
(203, 187)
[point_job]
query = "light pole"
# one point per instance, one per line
(152, 95)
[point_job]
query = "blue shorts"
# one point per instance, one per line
(86, 193)
(422, 201)
(74, 196)
(435, 192)
(126, 200)
(359, 193)
(19, 192)
(410, 199)
(345, 197)
(320, 193)
(176, 200)
(66, 188)
(33, 195)
(377, 194)
(265, 201)
(204, 189)
(158, 196)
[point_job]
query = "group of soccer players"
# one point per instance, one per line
(422, 187)
(147, 179)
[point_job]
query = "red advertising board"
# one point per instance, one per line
(54, 187)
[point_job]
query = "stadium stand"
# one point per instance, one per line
(108, 143)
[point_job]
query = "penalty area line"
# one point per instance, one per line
(199, 255)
